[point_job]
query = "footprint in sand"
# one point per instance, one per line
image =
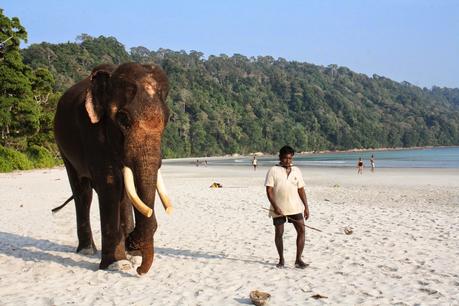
(121, 265)
(387, 268)
(422, 283)
(430, 291)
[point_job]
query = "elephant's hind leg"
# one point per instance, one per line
(82, 192)
(85, 241)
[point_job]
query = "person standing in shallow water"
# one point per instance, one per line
(285, 190)
(372, 162)
(254, 163)
(360, 166)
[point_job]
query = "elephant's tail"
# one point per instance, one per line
(55, 210)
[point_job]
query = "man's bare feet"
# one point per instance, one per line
(299, 264)
(281, 263)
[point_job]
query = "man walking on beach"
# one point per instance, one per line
(285, 189)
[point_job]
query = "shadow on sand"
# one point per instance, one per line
(206, 255)
(245, 301)
(38, 250)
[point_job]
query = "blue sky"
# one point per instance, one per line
(406, 40)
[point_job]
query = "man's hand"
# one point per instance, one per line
(270, 193)
(306, 213)
(303, 198)
(278, 211)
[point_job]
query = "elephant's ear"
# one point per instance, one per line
(96, 94)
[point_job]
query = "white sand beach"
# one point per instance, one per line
(218, 245)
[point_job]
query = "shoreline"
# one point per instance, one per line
(404, 158)
(264, 154)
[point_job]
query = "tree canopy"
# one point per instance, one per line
(24, 94)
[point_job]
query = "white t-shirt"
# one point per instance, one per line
(286, 189)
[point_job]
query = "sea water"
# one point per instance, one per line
(442, 157)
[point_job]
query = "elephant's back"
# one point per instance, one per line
(69, 121)
(71, 100)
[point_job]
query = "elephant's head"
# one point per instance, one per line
(129, 101)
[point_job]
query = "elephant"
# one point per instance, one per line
(108, 129)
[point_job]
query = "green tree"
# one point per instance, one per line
(19, 114)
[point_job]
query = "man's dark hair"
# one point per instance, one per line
(286, 150)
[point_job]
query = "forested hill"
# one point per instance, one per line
(220, 104)
(226, 104)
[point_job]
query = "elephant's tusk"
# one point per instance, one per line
(132, 193)
(162, 194)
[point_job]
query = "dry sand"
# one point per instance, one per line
(218, 245)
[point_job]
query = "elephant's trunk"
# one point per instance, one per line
(141, 239)
(143, 156)
(142, 194)
(147, 257)
(147, 249)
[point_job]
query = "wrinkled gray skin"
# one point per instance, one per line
(114, 118)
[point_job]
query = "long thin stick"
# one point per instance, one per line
(226, 187)
(310, 227)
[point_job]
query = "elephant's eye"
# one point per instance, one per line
(123, 119)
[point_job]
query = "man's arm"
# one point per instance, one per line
(303, 198)
(270, 193)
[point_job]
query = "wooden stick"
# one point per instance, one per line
(310, 227)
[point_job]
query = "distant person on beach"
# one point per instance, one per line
(197, 163)
(254, 163)
(372, 162)
(360, 166)
(285, 189)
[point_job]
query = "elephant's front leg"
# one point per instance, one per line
(127, 217)
(110, 196)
